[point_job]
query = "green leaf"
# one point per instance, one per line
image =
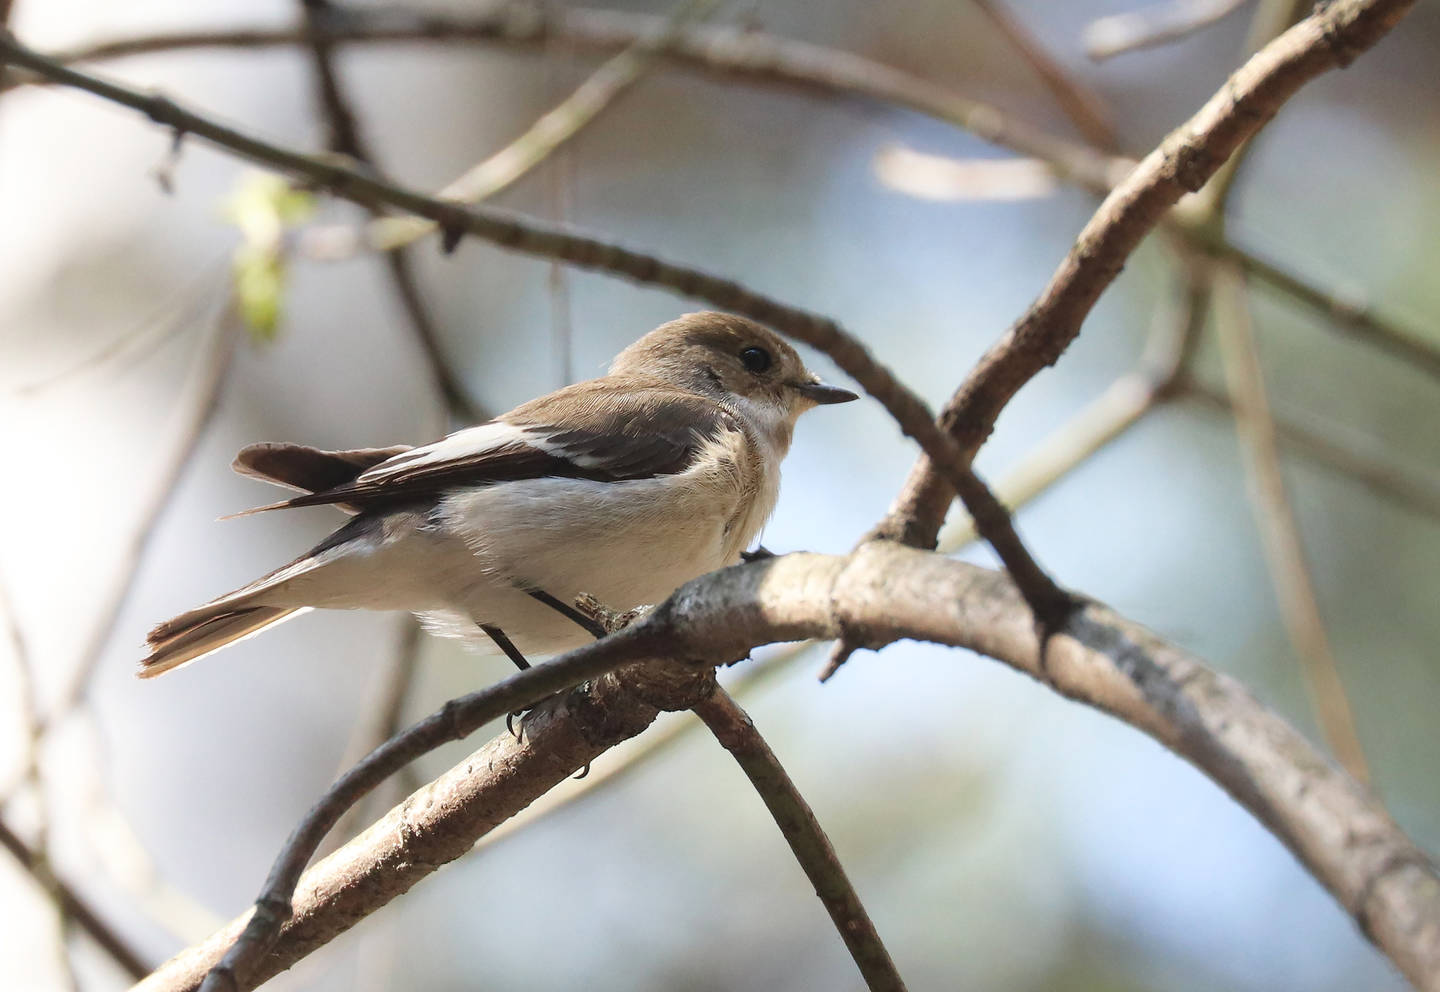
(263, 207)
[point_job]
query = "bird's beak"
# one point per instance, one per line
(819, 392)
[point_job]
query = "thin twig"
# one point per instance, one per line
(1279, 532)
(1159, 24)
(1343, 450)
(73, 906)
(735, 731)
(882, 593)
(1081, 104)
(1346, 311)
(1184, 161)
(529, 236)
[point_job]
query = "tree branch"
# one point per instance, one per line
(1344, 451)
(735, 731)
(346, 138)
(1158, 24)
(1081, 104)
(73, 906)
(1331, 37)
(1275, 519)
(878, 594)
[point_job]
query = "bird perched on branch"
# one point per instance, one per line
(624, 487)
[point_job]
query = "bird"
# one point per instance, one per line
(622, 487)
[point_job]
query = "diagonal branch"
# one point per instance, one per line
(1348, 452)
(1275, 518)
(734, 730)
(74, 906)
(1081, 104)
(1331, 37)
(879, 594)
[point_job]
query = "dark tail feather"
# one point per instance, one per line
(189, 636)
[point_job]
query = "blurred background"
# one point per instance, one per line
(1002, 838)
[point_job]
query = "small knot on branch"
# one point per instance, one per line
(1191, 164)
(609, 620)
(839, 654)
(1337, 41)
(453, 228)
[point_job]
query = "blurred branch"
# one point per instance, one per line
(1275, 517)
(1081, 104)
(1349, 312)
(36, 861)
(736, 732)
(195, 408)
(73, 906)
(1159, 24)
(528, 236)
(384, 713)
(345, 137)
(1183, 162)
(1345, 452)
(880, 593)
(552, 130)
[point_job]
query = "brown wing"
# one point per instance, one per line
(592, 430)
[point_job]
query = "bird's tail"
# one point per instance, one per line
(205, 629)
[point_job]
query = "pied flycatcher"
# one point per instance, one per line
(625, 487)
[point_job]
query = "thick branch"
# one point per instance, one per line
(879, 594)
(1183, 162)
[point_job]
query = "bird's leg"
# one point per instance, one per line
(505, 644)
(591, 626)
(513, 653)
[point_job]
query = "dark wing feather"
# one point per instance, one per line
(593, 430)
(308, 469)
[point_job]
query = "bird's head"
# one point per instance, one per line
(734, 360)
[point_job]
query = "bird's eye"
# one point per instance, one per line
(755, 359)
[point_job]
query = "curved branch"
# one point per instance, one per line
(1183, 162)
(879, 594)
